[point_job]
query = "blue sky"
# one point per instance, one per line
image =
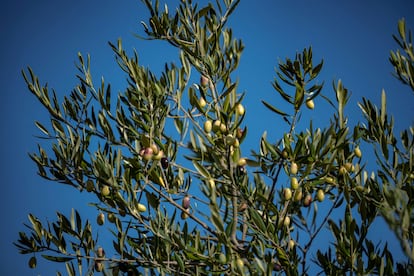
(353, 37)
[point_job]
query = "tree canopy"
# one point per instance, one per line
(165, 161)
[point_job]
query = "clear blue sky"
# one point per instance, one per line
(353, 37)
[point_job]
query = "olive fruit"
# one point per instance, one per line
(105, 190)
(202, 102)
(291, 244)
(164, 163)
(298, 195)
(185, 214)
(293, 168)
(286, 221)
(294, 183)
(204, 81)
(310, 104)
(239, 133)
(342, 170)
(100, 219)
(277, 267)
(285, 154)
(100, 253)
(154, 148)
(240, 109)
(32, 262)
(242, 162)
(287, 193)
(320, 195)
(307, 200)
(222, 258)
(186, 202)
(89, 185)
(147, 153)
(216, 125)
(98, 266)
(240, 264)
(158, 156)
(329, 180)
(122, 212)
(349, 167)
(358, 152)
(230, 139)
(141, 207)
(208, 126)
(111, 217)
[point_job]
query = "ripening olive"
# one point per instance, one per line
(223, 128)
(186, 202)
(100, 252)
(204, 81)
(307, 200)
(148, 153)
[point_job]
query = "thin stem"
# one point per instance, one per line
(313, 236)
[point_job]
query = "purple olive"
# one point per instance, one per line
(164, 163)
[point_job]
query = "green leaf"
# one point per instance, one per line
(201, 169)
(179, 261)
(274, 109)
(283, 257)
(401, 28)
(257, 220)
(57, 259)
(42, 128)
(383, 107)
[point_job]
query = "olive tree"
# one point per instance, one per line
(164, 160)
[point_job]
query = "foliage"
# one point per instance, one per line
(188, 200)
